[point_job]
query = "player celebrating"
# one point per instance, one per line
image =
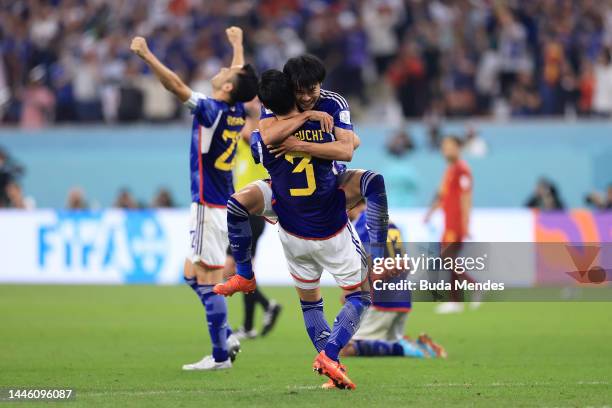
(306, 74)
(455, 198)
(314, 230)
(382, 328)
(217, 121)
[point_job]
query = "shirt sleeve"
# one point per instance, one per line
(342, 116)
(256, 147)
(265, 113)
(465, 181)
(205, 110)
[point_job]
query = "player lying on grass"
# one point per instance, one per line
(382, 328)
(306, 74)
(217, 121)
(313, 229)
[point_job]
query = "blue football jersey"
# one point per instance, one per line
(214, 136)
(389, 300)
(306, 197)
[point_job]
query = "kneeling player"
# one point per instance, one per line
(382, 328)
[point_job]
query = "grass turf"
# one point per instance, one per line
(124, 346)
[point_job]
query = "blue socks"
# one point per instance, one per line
(372, 186)
(347, 323)
(193, 284)
(216, 315)
(240, 237)
(315, 322)
(378, 348)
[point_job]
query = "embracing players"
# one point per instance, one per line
(306, 73)
(217, 121)
(313, 228)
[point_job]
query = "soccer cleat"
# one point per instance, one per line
(434, 349)
(242, 334)
(332, 369)
(270, 316)
(235, 284)
(208, 363)
(449, 307)
(330, 384)
(233, 346)
(412, 349)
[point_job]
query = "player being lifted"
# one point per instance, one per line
(306, 74)
(313, 229)
(217, 121)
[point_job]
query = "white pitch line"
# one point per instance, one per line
(318, 387)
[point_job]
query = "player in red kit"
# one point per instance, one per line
(455, 199)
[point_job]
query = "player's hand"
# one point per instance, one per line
(234, 35)
(139, 47)
(325, 119)
(290, 144)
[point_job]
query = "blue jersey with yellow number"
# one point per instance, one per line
(388, 300)
(306, 197)
(214, 135)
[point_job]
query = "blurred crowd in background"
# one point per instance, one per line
(69, 61)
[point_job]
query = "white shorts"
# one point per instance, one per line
(340, 255)
(267, 212)
(381, 325)
(208, 231)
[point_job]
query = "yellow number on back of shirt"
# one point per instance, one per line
(304, 166)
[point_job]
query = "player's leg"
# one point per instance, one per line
(369, 185)
(209, 241)
(255, 198)
(271, 308)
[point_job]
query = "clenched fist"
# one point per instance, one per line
(139, 46)
(234, 35)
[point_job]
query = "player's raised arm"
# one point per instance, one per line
(166, 76)
(234, 35)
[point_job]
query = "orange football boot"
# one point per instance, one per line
(330, 384)
(438, 349)
(333, 369)
(235, 284)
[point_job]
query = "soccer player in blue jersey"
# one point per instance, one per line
(217, 121)
(383, 327)
(313, 229)
(306, 74)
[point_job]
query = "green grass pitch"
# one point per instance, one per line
(122, 346)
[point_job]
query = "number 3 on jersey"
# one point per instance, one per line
(222, 162)
(304, 165)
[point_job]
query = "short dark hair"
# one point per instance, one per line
(275, 92)
(245, 85)
(305, 71)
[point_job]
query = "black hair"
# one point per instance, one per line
(275, 92)
(305, 71)
(245, 85)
